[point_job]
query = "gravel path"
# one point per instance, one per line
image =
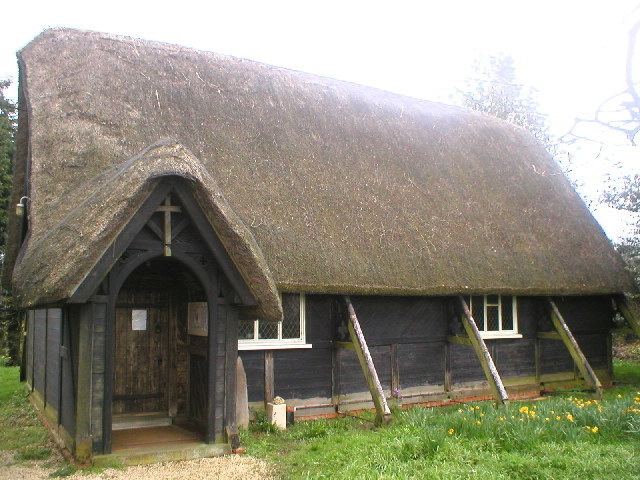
(232, 467)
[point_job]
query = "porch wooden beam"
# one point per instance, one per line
(629, 308)
(482, 352)
(549, 336)
(268, 377)
(383, 414)
(574, 349)
(83, 441)
(460, 340)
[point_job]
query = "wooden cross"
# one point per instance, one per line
(167, 209)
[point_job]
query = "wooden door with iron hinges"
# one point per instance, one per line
(141, 349)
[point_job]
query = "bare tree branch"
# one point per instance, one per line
(625, 104)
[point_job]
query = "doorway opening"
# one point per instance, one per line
(160, 360)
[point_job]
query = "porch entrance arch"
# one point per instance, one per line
(172, 302)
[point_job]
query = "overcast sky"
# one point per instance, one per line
(572, 52)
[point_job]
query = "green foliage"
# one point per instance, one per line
(8, 129)
(9, 325)
(549, 439)
(261, 424)
(494, 90)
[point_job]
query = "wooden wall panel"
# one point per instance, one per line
(99, 311)
(421, 364)
(219, 365)
(594, 347)
(554, 357)
(29, 347)
(253, 362)
(320, 324)
(465, 366)
(352, 378)
(197, 389)
(514, 357)
(386, 320)
(303, 373)
(583, 314)
(67, 394)
(39, 351)
(54, 330)
(530, 310)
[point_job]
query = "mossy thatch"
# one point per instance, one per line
(329, 186)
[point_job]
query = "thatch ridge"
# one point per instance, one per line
(344, 188)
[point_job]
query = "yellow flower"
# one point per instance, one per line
(524, 410)
(619, 396)
(482, 414)
(558, 417)
(451, 431)
(459, 410)
(569, 417)
(594, 430)
(478, 422)
(546, 419)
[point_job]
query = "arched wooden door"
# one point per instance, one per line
(142, 357)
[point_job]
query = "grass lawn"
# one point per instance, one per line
(561, 437)
(20, 429)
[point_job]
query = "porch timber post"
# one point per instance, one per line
(477, 342)
(269, 379)
(83, 438)
(383, 414)
(574, 349)
(630, 310)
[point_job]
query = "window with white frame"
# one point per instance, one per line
(289, 333)
(495, 315)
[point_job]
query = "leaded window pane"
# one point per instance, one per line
(493, 318)
(507, 313)
(245, 329)
(291, 320)
(267, 330)
(477, 311)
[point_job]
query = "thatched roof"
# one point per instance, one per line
(316, 185)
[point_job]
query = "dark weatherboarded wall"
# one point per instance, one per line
(54, 327)
(50, 360)
(412, 331)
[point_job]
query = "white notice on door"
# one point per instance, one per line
(138, 319)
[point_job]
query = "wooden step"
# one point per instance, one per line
(128, 421)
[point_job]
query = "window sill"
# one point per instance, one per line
(272, 346)
(498, 336)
